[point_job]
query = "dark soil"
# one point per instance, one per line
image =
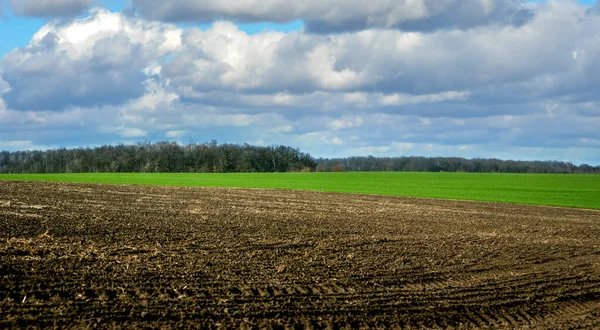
(83, 255)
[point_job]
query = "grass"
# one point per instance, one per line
(581, 191)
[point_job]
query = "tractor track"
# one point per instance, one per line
(113, 256)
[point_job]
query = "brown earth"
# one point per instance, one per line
(79, 255)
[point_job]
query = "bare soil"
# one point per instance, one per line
(83, 255)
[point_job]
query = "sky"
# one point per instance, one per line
(506, 79)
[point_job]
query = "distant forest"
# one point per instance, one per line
(453, 164)
(220, 158)
(159, 157)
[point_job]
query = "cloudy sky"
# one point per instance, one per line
(506, 79)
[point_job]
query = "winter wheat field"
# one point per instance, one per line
(92, 255)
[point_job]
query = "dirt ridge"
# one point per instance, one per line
(87, 255)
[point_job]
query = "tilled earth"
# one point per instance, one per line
(83, 255)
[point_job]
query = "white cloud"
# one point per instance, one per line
(176, 134)
(345, 123)
(91, 61)
(123, 131)
(405, 67)
(494, 89)
(80, 37)
(21, 145)
(357, 98)
(316, 138)
(215, 120)
(403, 99)
(156, 97)
(394, 148)
(283, 129)
(401, 146)
(109, 54)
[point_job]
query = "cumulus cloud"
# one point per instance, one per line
(347, 15)
(447, 64)
(497, 90)
(50, 8)
(102, 59)
(108, 58)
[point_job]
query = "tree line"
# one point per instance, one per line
(160, 157)
(226, 157)
(450, 164)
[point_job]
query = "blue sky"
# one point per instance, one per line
(470, 78)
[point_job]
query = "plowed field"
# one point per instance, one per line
(79, 255)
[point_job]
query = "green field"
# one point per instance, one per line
(581, 191)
